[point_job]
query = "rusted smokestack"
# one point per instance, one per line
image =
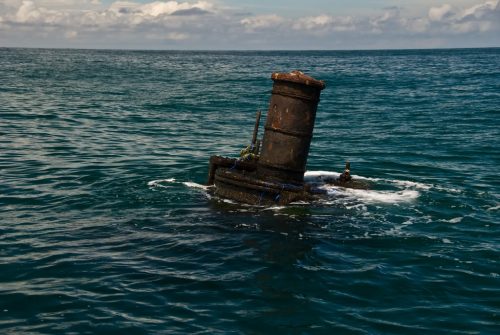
(277, 176)
(289, 127)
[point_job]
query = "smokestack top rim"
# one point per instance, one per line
(299, 78)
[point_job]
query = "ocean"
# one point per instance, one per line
(106, 226)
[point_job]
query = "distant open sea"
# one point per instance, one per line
(106, 227)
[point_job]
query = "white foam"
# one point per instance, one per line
(158, 182)
(319, 174)
(274, 208)
(384, 196)
(358, 207)
(408, 190)
(411, 184)
(300, 203)
(196, 185)
(408, 222)
(497, 207)
(447, 189)
(372, 196)
(454, 220)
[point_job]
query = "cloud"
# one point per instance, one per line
(444, 20)
(185, 24)
(191, 11)
(167, 8)
(71, 34)
(323, 24)
(440, 13)
(481, 10)
(480, 18)
(313, 22)
(159, 8)
(177, 36)
(262, 22)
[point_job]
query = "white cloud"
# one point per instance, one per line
(28, 12)
(262, 21)
(440, 13)
(157, 8)
(323, 24)
(131, 22)
(177, 36)
(481, 10)
(313, 22)
(442, 20)
(166, 8)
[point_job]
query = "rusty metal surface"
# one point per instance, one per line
(277, 175)
(249, 189)
(298, 77)
(232, 163)
(289, 127)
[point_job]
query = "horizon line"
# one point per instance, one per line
(249, 50)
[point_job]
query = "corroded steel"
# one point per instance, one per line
(289, 127)
(245, 187)
(277, 176)
(232, 163)
(256, 128)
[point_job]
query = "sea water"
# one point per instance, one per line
(106, 227)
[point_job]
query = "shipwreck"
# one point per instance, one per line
(271, 171)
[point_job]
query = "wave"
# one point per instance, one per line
(160, 182)
(408, 190)
(195, 185)
(387, 197)
(493, 208)
(395, 192)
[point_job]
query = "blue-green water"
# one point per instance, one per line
(104, 228)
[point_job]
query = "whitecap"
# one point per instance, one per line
(372, 196)
(195, 185)
(412, 184)
(408, 189)
(447, 189)
(495, 208)
(454, 220)
(158, 182)
(274, 208)
(318, 176)
(300, 203)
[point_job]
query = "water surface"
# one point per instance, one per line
(105, 228)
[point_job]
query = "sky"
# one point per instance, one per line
(250, 25)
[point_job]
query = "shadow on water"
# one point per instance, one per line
(280, 293)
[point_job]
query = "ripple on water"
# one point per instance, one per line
(105, 224)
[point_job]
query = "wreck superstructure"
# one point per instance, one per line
(274, 174)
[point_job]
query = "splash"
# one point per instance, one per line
(407, 192)
(387, 197)
(196, 185)
(160, 182)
